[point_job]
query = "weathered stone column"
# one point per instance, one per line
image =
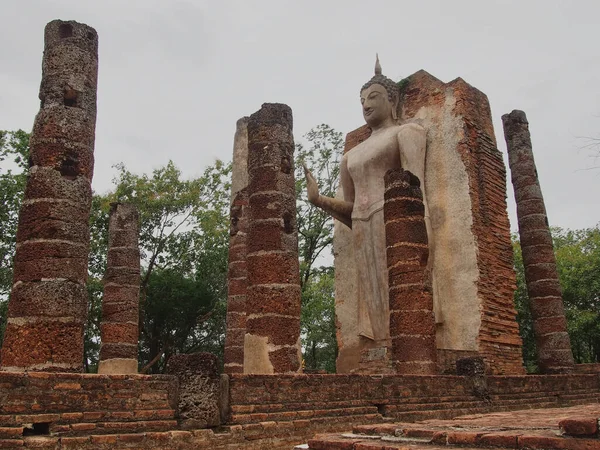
(237, 284)
(120, 303)
(272, 340)
(237, 276)
(412, 322)
(543, 287)
(48, 303)
(239, 171)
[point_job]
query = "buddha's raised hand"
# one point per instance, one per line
(311, 186)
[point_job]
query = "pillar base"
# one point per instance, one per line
(118, 366)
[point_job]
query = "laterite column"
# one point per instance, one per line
(237, 273)
(120, 303)
(412, 322)
(237, 284)
(272, 340)
(48, 303)
(543, 287)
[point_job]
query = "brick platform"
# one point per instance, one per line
(84, 411)
(571, 428)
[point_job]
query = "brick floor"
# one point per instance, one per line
(525, 429)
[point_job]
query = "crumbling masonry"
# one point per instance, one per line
(272, 340)
(412, 323)
(48, 303)
(543, 287)
(120, 302)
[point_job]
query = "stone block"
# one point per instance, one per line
(579, 426)
(268, 268)
(48, 299)
(119, 332)
(280, 330)
(118, 350)
(43, 345)
(199, 388)
(273, 299)
(285, 359)
(123, 257)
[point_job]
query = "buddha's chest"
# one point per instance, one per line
(370, 160)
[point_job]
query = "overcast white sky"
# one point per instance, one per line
(176, 75)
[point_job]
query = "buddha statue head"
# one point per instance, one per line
(379, 99)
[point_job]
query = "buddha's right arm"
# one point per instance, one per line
(338, 208)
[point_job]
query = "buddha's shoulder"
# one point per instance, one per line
(409, 127)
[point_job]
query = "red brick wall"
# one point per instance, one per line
(260, 398)
(87, 411)
(499, 340)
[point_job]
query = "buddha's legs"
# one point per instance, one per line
(371, 265)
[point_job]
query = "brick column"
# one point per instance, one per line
(272, 340)
(412, 322)
(48, 303)
(543, 287)
(237, 283)
(120, 303)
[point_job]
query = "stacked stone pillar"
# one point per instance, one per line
(48, 302)
(543, 286)
(237, 276)
(120, 303)
(412, 321)
(272, 340)
(237, 279)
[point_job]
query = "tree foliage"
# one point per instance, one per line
(14, 155)
(578, 263)
(315, 235)
(183, 246)
(14, 166)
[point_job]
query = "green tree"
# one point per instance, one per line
(14, 166)
(315, 236)
(14, 155)
(318, 321)
(524, 318)
(578, 264)
(183, 241)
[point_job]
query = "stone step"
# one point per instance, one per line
(523, 395)
(19, 420)
(412, 400)
(497, 402)
(113, 427)
(304, 406)
(239, 419)
(448, 411)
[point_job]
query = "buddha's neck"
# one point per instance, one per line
(378, 128)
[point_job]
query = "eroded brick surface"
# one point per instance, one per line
(412, 322)
(120, 302)
(48, 310)
(272, 328)
(531, 429)
(543, 287)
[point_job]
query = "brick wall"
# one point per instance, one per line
(71, 404)
(122, 411)
(259, 398)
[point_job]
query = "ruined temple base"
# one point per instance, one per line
(85, 411)
(571, 428)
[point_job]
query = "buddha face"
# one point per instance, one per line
(377, 107)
